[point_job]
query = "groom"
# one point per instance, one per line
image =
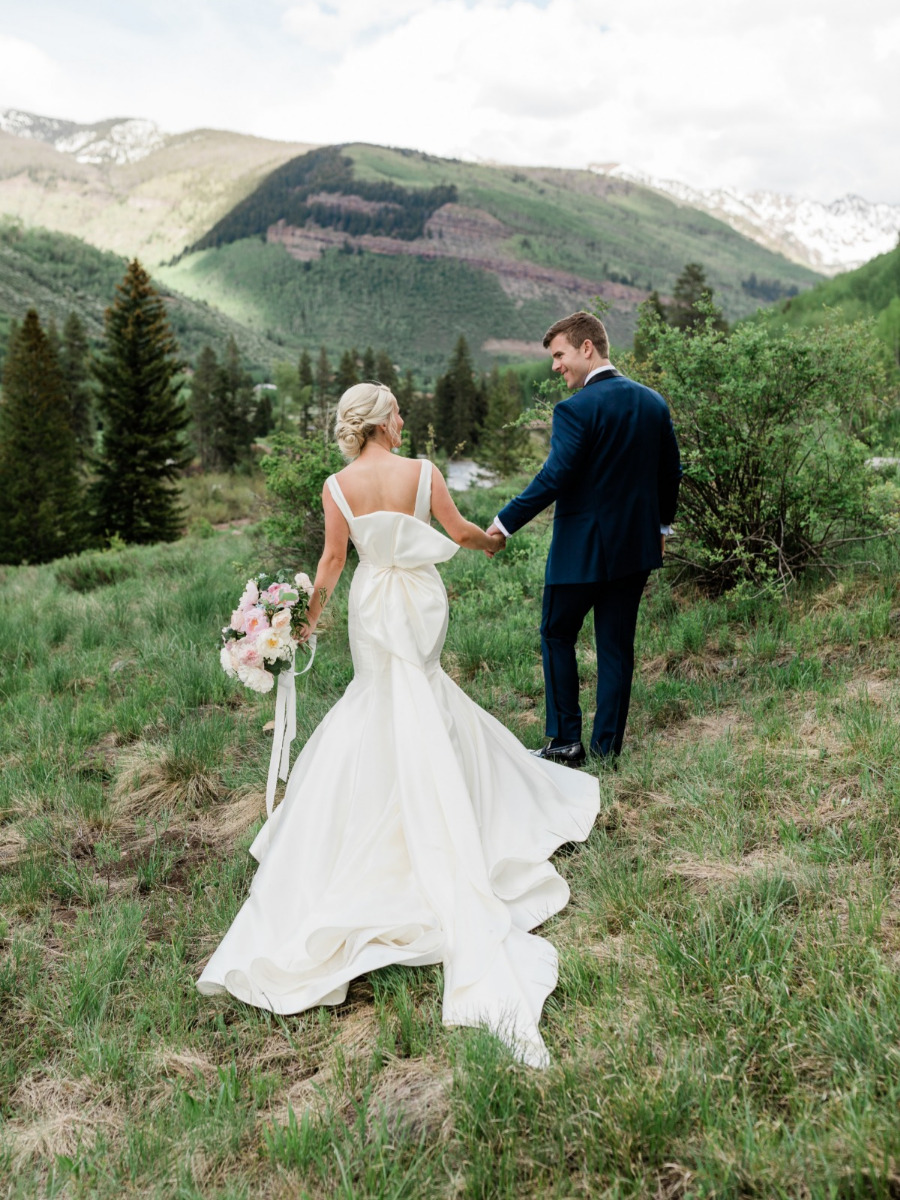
(614, 473)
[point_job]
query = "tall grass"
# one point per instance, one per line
(727, 1019)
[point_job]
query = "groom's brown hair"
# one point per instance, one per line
(579, 328)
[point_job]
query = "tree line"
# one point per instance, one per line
(93, 441)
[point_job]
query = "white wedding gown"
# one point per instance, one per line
(414, 828)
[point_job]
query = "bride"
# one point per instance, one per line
(414, 828)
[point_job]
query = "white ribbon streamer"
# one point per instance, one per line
(285, 725)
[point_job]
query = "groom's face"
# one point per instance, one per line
(572, 362)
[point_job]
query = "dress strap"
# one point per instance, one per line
(423, 495)
(339, 498)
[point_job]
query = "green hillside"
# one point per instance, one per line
(362, 244)
(56, 274)
(872, 290)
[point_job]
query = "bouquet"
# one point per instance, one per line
(261, 641)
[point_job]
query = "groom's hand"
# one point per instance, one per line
(494, 533)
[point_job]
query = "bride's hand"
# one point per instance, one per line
(305, 633)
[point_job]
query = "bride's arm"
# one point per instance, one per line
(328, 572)
(463, 532)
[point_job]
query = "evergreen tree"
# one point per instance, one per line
(691, 287)
(385, 372)
(204, 407)
(457, 402)
(235, 396)
(306, 391)
(417, 411)
(39, 483)
(142, 417)
(323, 388)
(347, 372)
(500, 443)
(323, 378)
(263, 414)
(368, 369)
(75, 366)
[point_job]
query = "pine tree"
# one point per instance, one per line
(417, 411)
(347, 373)
(323, 388)
(142, 417)
(42, 497)
(690, 287)
(501, 445)
(368, 369)
(386, 372)
(75, 366)
(203, 407)
(307, 389)
(457, 401)
(234, 435)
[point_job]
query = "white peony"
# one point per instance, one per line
(226, 660)
(256, 678)
(303, 581)
(270, 644)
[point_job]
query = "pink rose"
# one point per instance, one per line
(282, 619)
(254, 621)
(303, 581)
(237, 620)
(248, 654)
(250, 596)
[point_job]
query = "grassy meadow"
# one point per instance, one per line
(727, 1020)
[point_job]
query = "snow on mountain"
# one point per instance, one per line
(118, 141)
(829, 238)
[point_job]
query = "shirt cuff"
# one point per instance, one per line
(499, 525)
(665, 530)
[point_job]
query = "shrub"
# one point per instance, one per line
(775, 479)
(295, 473)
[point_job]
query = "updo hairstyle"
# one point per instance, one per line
(360, 411)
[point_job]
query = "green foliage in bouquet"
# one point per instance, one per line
(295, 473)
(770, 427)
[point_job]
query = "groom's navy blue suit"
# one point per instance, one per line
(614, 473)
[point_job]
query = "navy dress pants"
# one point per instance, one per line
(615, 604)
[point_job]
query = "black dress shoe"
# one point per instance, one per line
(570, 756)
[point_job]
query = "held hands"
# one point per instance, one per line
(497, 538)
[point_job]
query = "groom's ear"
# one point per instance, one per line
(587, 348)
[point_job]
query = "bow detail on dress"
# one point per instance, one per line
(399, 577)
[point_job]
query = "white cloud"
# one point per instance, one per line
(798, 96)
(28, 73)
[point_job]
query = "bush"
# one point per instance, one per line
(775, 478)
(295, 473)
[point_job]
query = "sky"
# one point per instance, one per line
(796, 96)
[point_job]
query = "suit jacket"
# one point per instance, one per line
(614, 471)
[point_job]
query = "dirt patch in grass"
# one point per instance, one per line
(59, 1114)
(414, 1095)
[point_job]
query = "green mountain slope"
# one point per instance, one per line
(872, 290)
(56, 274)
(365, 245)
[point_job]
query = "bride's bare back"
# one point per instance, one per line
(381, 483)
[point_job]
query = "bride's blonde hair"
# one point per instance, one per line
(360, 411)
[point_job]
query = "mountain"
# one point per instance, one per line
(828, 238)
(120, 140)
(124, 185)
(406, 250)
(368, 245)
(58, 274)
(872, 290)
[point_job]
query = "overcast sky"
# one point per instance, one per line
(801, 96)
